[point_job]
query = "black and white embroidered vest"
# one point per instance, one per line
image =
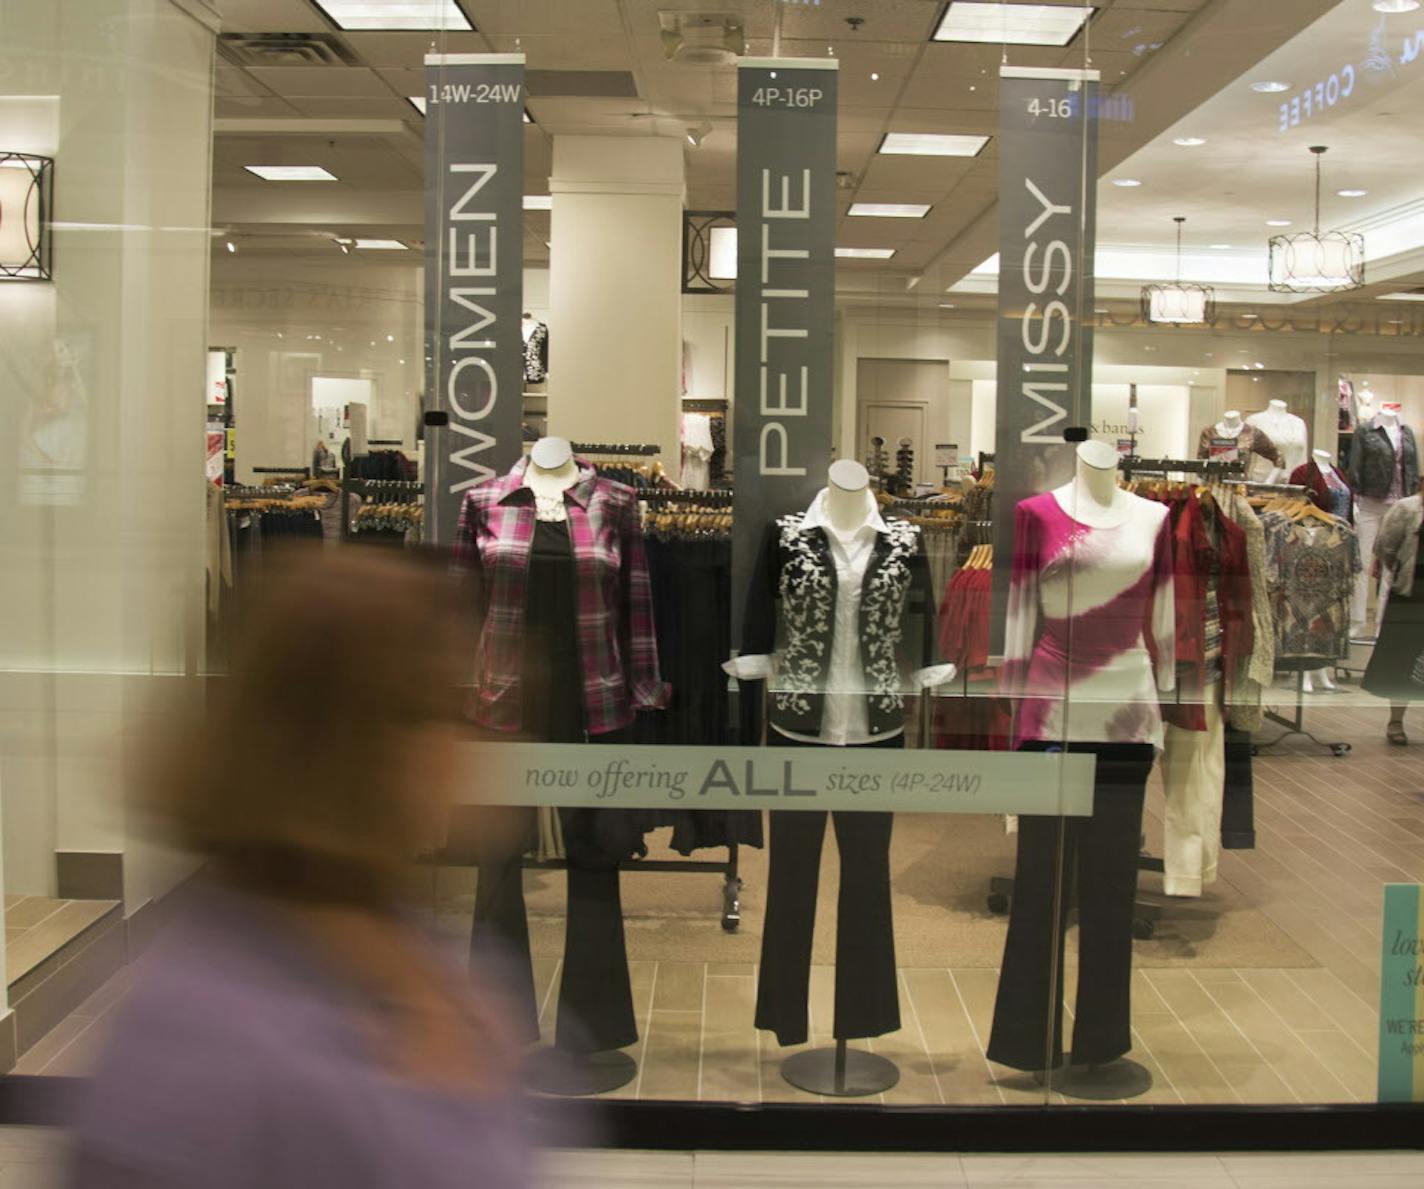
(808, 613)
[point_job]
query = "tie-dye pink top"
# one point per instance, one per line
(1089, 640)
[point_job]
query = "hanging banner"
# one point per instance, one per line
(909, 780)
(474, 276)
(1401, 1041)
(1048, 170)
(786, 293)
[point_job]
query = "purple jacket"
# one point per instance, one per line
(234, 1062)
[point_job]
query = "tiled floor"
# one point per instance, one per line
(33, 1158)
(1330, 833)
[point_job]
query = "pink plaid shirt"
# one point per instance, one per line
(618, 652)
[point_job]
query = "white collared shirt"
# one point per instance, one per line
(845, 721)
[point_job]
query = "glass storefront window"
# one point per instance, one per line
(938, 578)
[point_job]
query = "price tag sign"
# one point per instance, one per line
(946, 454)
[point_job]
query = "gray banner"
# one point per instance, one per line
(474, 276)
(1048, 170)
(786, 292)
(857, 778)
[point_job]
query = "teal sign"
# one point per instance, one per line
(1401, 1049)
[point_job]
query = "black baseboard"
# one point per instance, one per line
(779, 1127)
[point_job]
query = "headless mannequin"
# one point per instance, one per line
(849, 503)
(527, 325)
(552, 471)
(1230, 425)
(1093, 497)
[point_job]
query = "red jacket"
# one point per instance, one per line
(1308, 475)
(1193, 554)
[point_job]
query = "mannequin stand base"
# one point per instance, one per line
(840, 1072)
(1122, 1078)
(549, 1070)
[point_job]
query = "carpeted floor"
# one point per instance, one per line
(940, 870)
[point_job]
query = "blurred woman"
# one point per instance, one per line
(293, 1029)
(1396, 668)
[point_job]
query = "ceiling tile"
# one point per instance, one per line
(253, 109)
(518, 17)
(355, 108)
(271, 16)
(329, 81)
(409, 49)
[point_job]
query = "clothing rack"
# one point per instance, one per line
(716, 497)
(1295, 725)
(715, 405)
(731, 885)
(303, 472)
(384, 491)
(617, 449)
(1275, 488)
(1211, 468)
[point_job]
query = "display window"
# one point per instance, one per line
(932, 492)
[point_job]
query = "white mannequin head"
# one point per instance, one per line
(849, 504)
(848, 475)
(1098, 456)
(1277, 406)
(1231, 417)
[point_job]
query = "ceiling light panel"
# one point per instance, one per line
(538, 202)
(291, 173)
(932, 144)
(890, 210)
(386, 15)
(381, 245)
(1012, 24)
(865, 253)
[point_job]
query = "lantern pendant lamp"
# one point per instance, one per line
(1182, 303)
(1312, 262)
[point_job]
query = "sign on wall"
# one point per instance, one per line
(1401, 1044)
(786, 282)
(1048, 156)
(474, 276)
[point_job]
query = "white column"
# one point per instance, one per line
(615, 291)
(101, 422)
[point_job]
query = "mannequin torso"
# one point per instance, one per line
(1230, 425)
(1093, 497)
(552, 471)
(1287, 431)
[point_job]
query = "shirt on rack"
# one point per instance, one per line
(1311, 568)
(696, 450)
(618, 655)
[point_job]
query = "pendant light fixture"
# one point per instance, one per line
(26, 200)
(1182, 303)
(1316, 262)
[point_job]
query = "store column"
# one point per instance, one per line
(102, 516)
(615, 291)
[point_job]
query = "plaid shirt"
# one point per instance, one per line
(618, 653)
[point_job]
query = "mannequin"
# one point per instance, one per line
(1250, 445)
(551, 548)
(1082, 547)
(828, 580)
(1384, 468)
(1288, 432)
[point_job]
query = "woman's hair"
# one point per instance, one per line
(310, 774)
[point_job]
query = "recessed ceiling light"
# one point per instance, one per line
(1401, 297)
(381, 245)
(946, 305)
(1012, 24)
(1219, 247)
(865, 253)
(1395, 5)
(291, 173)
(365, 15)
(538, 202)
(1269, 87)
(231, 247)
(932, 144)
(1126, 183)
(890, 210)
(1352, 193)
(1189, 142)
(1278, 222)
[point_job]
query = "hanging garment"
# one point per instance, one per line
(1330, 490)
(1253, 445)
(1213, 599)
(1311, 569)
(1238, 810)
(618, 658)
(1090, 623)
(536, 353)
(867, 1001)
(1369, 516)
(696, 451)
(972, 716)
(796, 579)
(1099, 862)
(1194, 778)
(1256, 671)
(1382, 467)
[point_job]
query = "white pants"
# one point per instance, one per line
(1194, 773)
(1368, 514)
